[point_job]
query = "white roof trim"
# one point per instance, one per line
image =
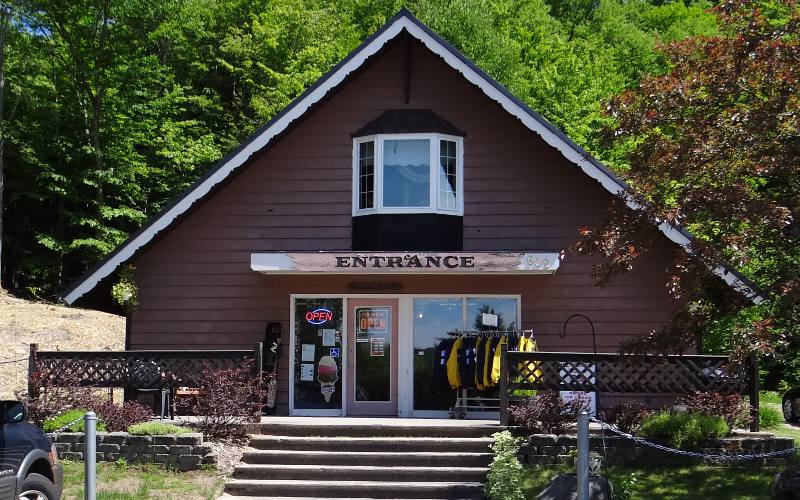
(332, 80)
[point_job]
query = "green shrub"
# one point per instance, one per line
(156, 429)
(769, 417)
(506, 475)
(53, 424)
(683, 429)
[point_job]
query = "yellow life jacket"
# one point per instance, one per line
(453, 377)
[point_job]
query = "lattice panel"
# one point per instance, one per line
(133, 369)
(613, 373)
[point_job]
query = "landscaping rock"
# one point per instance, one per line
(108, 448)
(787, 484)
(543, 439)
(72, 455)
(190, 459)
(201, 449)
(565, 487)
(166, 459)
(140, 440)
(553, 450)
(168, 439)
(115, 437)
(158, 449)
(180, 449)
(192, 439)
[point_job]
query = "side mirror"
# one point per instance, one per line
(12, 412)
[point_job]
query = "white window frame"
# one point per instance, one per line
(434, 155)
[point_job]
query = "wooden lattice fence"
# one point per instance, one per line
(671, 375)
(133, 369)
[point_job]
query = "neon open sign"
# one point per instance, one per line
(319, 316)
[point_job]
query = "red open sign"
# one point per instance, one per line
(319, 316)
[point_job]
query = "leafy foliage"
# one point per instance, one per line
(229, 400)
(50, 400)
(712, 145)
(71, 421)
(114, 107)
(547, 413)
(629, 416)
(156, 429)
(730, 407)
(506, 475)
(769, 417)
(683, 429)
(118, 418)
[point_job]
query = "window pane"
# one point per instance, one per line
(447, 175)
(505, 309)
(433, 318)
(406, 173)
(366, 175)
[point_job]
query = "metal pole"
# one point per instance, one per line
(582, 462)
(503, 389)
(90, 455)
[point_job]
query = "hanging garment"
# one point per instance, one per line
(453, 376)
(527, 344)
(480, 356)
(489, 363)
(497, 355)
(467, 363)
(533, 370)
(440, 354)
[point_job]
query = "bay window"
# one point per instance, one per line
(408, 173)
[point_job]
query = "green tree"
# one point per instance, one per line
(713, 145)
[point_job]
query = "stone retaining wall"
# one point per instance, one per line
(552, 449)
(178, 451)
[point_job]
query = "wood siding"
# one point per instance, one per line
(196, 289)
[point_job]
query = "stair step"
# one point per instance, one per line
(360, 473)
(375, 458)
(354, 489)
(338, 443)
(378, 430)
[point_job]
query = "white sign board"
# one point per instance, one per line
(405, 262)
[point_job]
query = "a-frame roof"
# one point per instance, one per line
(403, 21)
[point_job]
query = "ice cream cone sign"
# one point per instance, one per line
(327, 375)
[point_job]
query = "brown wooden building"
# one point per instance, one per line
(403, 195)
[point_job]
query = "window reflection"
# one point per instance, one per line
(433, 318)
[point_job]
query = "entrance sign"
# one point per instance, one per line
(405, 262)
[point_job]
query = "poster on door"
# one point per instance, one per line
(371, 321)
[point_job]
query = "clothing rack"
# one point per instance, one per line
(470, 399)
(475, 333)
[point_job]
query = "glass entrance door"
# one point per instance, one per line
(372, 357)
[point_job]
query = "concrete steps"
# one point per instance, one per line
(364, 458)
(354, 489)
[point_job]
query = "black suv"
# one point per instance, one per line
(29, 467)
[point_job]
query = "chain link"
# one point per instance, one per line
(695, 454)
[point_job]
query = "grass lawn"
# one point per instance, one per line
(706, 482)
(129, 482)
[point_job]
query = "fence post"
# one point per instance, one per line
(90, 455)
(258, 359)
(752, 369)
(33, 392)
(582, 460)
(503, 384)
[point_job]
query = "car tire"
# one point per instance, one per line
(788, 410)
(37, 487)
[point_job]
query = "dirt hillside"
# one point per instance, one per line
(53, 327)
